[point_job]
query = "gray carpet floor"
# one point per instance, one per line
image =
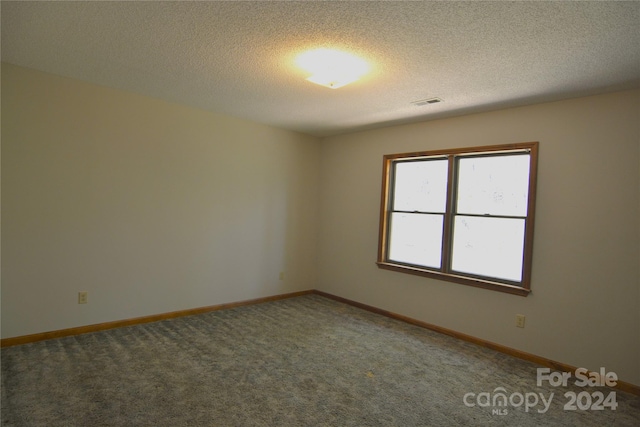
(304, 361)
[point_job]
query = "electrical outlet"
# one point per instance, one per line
(520, 320)
(83, 297)
(282, 275)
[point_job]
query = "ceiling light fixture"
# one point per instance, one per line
(332, 68)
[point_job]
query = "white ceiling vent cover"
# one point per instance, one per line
(427, 102)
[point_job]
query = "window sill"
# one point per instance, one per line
(469, 281)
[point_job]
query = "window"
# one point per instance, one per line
(461, 215)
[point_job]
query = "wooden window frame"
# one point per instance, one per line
(522, 288)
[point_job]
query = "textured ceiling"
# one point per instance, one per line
(237, 58)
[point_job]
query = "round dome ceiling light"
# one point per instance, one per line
(332, 68)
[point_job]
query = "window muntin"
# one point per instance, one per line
(463, 215)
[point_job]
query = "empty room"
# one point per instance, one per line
(320, 213)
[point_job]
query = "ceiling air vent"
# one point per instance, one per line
(427, 102)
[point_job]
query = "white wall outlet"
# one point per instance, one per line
(520, 320)
(83, 297)
(282, 275)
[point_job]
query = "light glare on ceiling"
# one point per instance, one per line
(332, 68)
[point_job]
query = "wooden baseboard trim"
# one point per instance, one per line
(548, 363)
(557, 366)
(26, 339)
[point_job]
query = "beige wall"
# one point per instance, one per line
(584, 309)
(151, 207)
(155, 207)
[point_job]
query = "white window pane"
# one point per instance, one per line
(420, 186)
(416, 239)
(496, 185)
(490, 247)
